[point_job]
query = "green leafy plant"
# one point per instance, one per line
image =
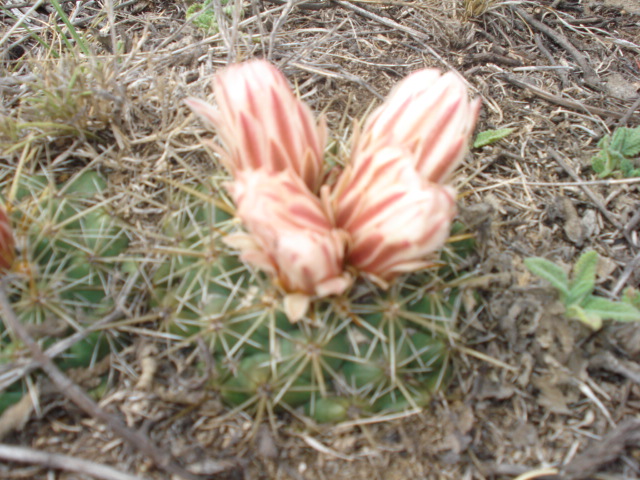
(618, 152)
(577, 293)
(204, 16)
(491, 136)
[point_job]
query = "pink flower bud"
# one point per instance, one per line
(427, 114)
(395, 218)
(261, 123)
(289, 236)
(7, 242)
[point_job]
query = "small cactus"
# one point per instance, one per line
(67, 269)
(331, 304)
(330, 323)
(363, 353)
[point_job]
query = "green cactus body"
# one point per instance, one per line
(69, 267)
(367, 353)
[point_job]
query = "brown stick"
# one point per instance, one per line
(590, 76)
(573, 104)
(564, 76)
(607, 450)
(625, 118)
(58, 461)
(596, 201)
(74, 393)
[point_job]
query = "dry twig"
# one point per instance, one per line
(596, 201)
(590, 75)
(573, 104)
(607, 450)
(628, 114)
(67, 463)
(420, 36)
(609, 362)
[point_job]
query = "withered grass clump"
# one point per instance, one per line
(62, 100)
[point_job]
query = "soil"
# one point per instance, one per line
(535, 394)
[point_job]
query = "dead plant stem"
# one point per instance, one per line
(596, 201)
(58, 461)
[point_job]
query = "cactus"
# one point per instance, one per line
(67, 268)
(367, 352)
(364, 353)
(313, 309)
(382, 216)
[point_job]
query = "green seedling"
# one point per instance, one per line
(577, 293)
(619, 154)
(491, 136)
(80, 42)
(204, 16)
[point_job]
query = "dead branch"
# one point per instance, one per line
(58, 461)
(590, 75)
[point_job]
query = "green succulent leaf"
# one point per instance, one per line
(599, 164)
(628, 168)
(491, 136)
(328, 410)
(550, 272)
(610, 160)
(604, 142)
(584, 277)
(610, 310)
(87, 184)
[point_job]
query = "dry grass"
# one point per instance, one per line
(532, 390)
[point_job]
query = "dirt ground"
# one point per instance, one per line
(535, 395)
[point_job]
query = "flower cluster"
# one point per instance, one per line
(389, 208)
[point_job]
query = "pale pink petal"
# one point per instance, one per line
(295, 306)
(333, 286)
(430, 116)
(262, 125)
(250, 251)
(287, 225)
(395, 219)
